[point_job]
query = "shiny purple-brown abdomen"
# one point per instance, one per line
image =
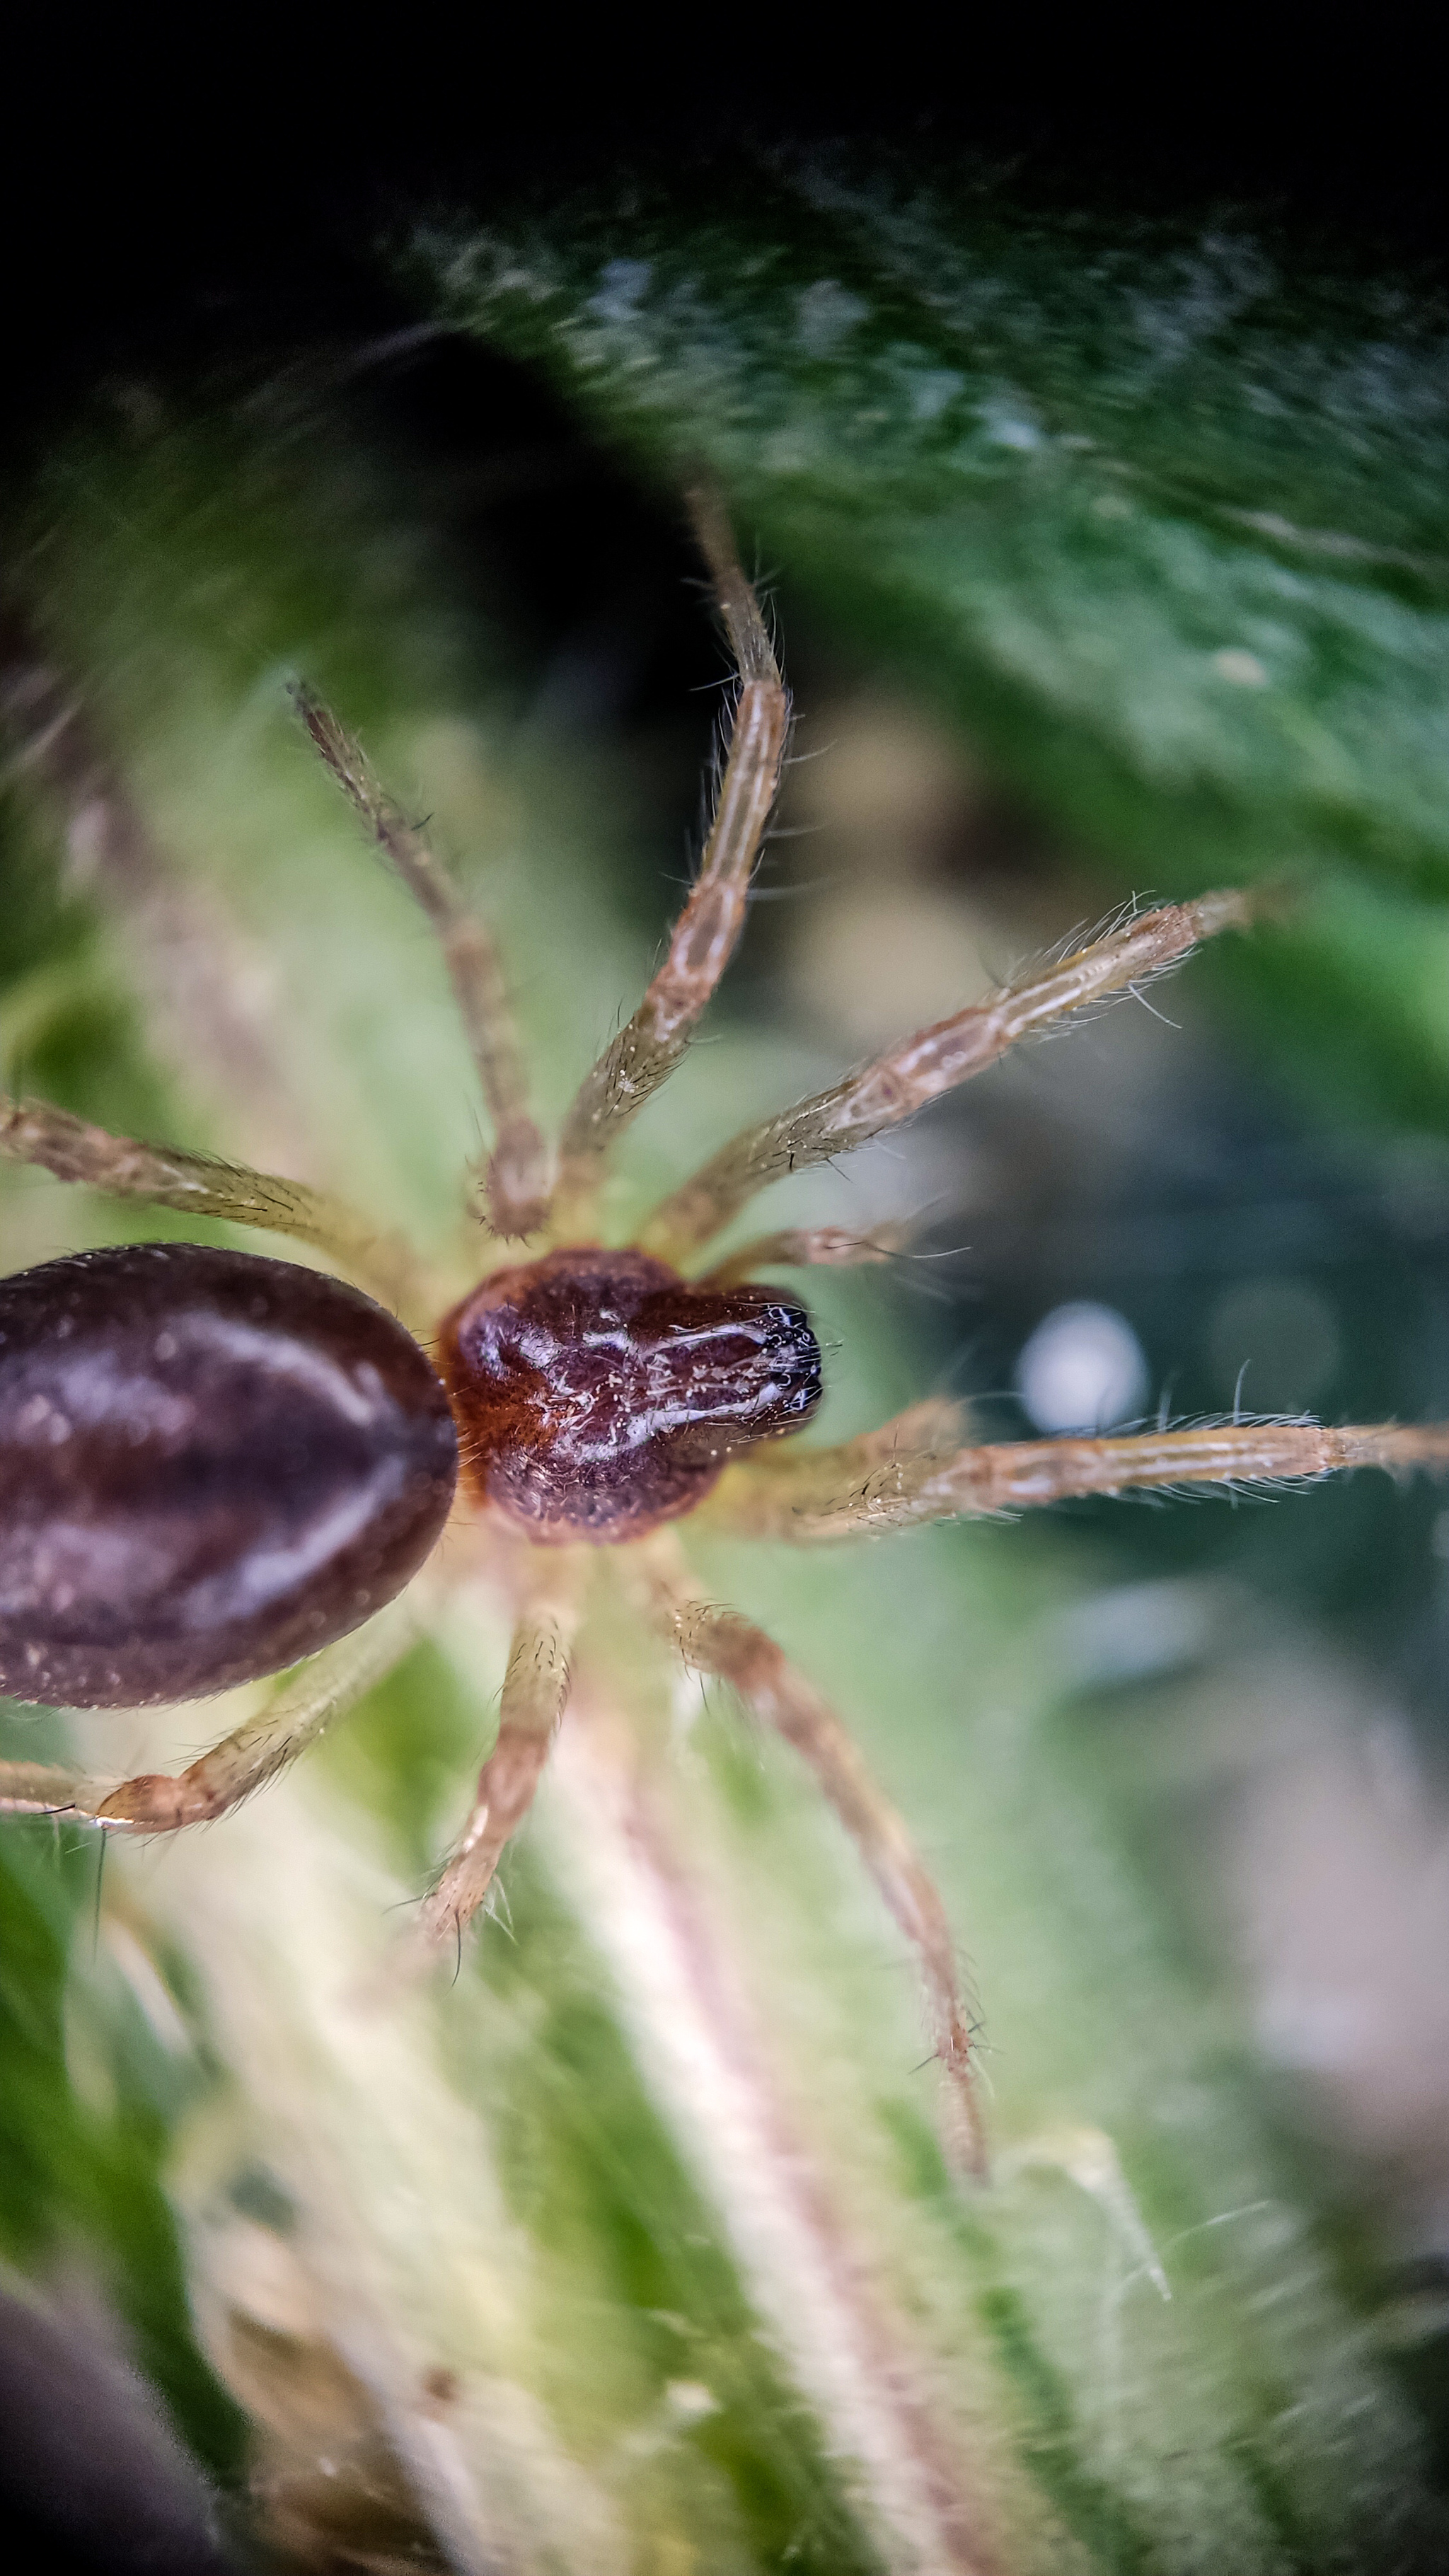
(598, 1393)
(210, 1465)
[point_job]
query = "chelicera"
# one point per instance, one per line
(216, 1466)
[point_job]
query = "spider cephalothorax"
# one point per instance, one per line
(600, 1394)
(211, 1465)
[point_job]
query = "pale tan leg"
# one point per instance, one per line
(33, 1131)
(718, 1641)
(931, 1062)
(535, 1692)
(294, 1718)
(819, 1247)
(904, 1473)
(515, 1185)
(644, 1054)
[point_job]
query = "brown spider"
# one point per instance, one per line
(213, 1464)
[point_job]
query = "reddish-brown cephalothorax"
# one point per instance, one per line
(598, 1394)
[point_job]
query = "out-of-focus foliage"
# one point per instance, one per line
(1157, 509)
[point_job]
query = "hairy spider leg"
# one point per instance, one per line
(515, 1194)
(33, 1131)
(535, 1694)
(903, 1473)
(718, 1641)
(819, 1247)
(307, 1703)
(894, 1085)
(705, 936)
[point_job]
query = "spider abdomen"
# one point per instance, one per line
(599, 1394)
(212, 1465)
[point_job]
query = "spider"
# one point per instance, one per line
(215, 1465)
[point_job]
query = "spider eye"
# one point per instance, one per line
(602, 1394)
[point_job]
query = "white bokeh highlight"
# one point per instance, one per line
(1082, 1370)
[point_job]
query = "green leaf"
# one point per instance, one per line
(1158, 512)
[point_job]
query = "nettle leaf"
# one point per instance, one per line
(1158, 511)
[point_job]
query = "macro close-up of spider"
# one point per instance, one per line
(216, 1467)
(724, 1318)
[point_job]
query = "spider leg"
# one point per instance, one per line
(33, 1131)
(515, 1185)
(264, 1744)
(931, 1062)
(719, 1641)
(535, 1692)
(905, 1473)
(703, 940)
(827, 1247)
